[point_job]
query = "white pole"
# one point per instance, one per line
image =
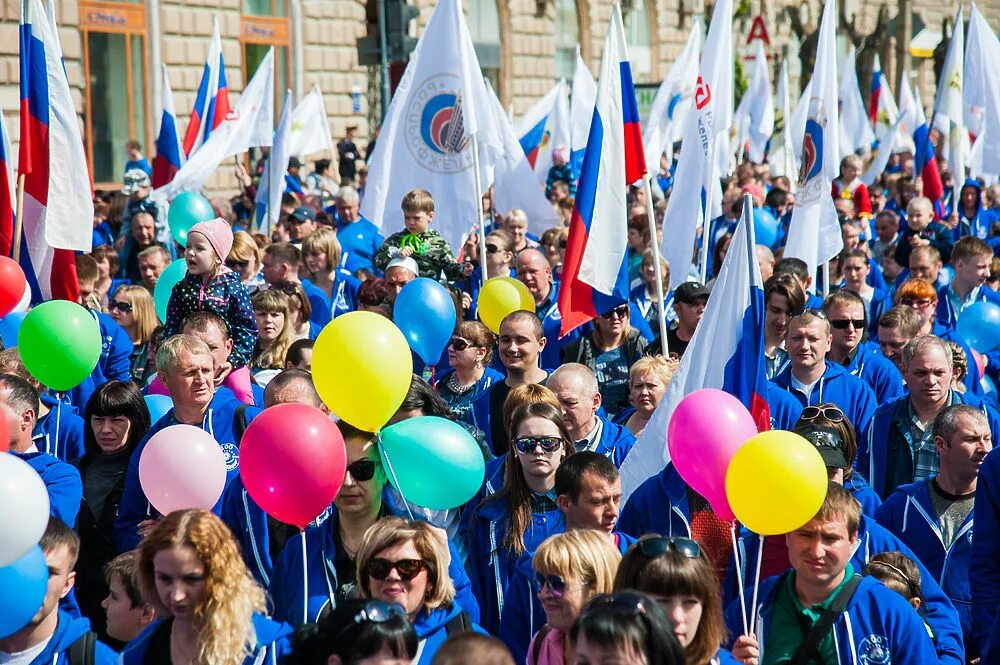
(826, 279)
(655, 243)
(706, 222)
(479, 207)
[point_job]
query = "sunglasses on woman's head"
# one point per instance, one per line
(123, 307)
(831, 413)
(527, 444)
(374, 611)
(362, 470)
(658, 546)
(406, 568)
(624, 603)
(459, 344)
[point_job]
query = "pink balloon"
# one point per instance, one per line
(705, 431)
(181, 467)
(292, 462)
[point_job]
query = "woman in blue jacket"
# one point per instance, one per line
(212, 611)
(405, 562)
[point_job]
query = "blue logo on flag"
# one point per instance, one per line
(434, 127)
(441, 124)
(812, 152)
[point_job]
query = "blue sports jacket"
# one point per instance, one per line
(62, 481)
(837, 386)
(60, 432)
(984, 569)
(68, 631)
(273, 643)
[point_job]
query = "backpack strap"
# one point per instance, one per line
(240, 422)
(807, 651)
(81, 652)
(462, 623)
(536, 647)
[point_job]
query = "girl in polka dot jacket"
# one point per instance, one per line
(210, 286)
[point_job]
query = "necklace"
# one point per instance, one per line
(175, 643)
(456, 386)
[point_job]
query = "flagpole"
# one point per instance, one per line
(479, 207)
(706, 222)
(826, 279)
(16, 240)
(654, 241)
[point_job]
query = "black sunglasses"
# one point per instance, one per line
(123, 307)
(841, 324)
(459, 344)
(407, 568)
(556, 584)
(831, 413)
(361, 470)
(491, 248)
(562, 244)
(527, 444)
(233, 264)
(658, 546)
(621, 312)
(374, 611)
(624, 603)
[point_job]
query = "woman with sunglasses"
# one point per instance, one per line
(626, 627)
(406, 562)
(469, 353)
(523, 512)
(682, 581)
(212, 612)
(920, 296)
(321, 255)
(609, 350)
(357, 632)
(272, 311)
(245, 258)
(333, 546)
(569, 569)
(132, 308)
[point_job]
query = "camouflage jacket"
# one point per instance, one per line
(430, 251)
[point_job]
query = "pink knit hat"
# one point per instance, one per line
(219, 234)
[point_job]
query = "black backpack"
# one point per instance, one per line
(459, 624)
(81, 652)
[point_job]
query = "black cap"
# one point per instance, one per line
(303, 214)
(689, 293)
(294, 161)
(828, 442)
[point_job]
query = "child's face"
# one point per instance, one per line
(919, 217)
(417, 221)
(125, 622)
(848, 172)
(200, 257)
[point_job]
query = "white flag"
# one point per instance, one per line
(814, 234)
(855, 128)
(755, 115)
(441, 106)
(545, 125)
(581, 111)
(697, 165)
(782, 156)
(948, 109)
(982, 56)
(272, 183)
(798, 123)
(249, 125)
(310, 128)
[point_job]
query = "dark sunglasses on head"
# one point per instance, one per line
(621, 312)
(831, 413)
(406, 568)
(491, 248)
(459, 344)
(288, 288)
(123, 307)
(658, 546)
(841, 324)
(556, 584)
(812, 311)
(233, 264)
(374, 611)
(624, 603)
(527, 444)
(362, 470)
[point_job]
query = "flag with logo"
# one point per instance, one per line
(310, 127)
(726, 353)
(584, 96)
(856, 134)
(440, 107)
(169, 152)
(543, 127)
(672, 103)
(211, 103)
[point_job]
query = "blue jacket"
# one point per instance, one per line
(431, 628)
(62, 481)
(909, 514)
(785, 409)
(359, 241)
(219, 421)
(887, 436)
(345, 297)
(60, 431)
(940, 613)
(659, 505)
(869, 365)
(979, 224)
(877, 626)
(984, 569)
(864, 493)
(850, 393)
(249, 526)
(947, 315)
(68, 631)
(286, 586)
(615, 443)
(273, 643)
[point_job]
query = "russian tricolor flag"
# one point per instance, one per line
(6, 191)
(876, 90)
(211, 105)
(58, 208)
(924, 160)
(595, 269)
(169, 154)
(726, 353)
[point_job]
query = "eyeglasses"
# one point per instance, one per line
(459, 344)
(841, 324)
(621, 312)
(556, 584)
(374, 611)
(123, 307)
(233, 264)
(831, 413)
(407, 568)
(361, 470)
(654, 547)
(916, 303)
(491, 248)
(527, 444)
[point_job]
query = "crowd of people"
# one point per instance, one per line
(546, 564)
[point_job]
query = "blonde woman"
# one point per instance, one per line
(132, 308)
(321, 255)
(246, 258)
(648, 379)
(191, 571)
(274, 325)
(570, 569)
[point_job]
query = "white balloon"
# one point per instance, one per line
(22, 306)
(24, 508)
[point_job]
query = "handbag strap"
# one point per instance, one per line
(808, 649)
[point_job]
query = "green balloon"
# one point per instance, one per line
(165, 285)
(60, 344)
(186, 210)
(433, 462)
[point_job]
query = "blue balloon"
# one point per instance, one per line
(22, 590)
(10, 325)
(158, 406)
(979, 326)
(765, 227)
(425, 312)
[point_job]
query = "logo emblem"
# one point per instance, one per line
(232, 454)
(874, 650)
(702, 94)
(812, 152)
(434, 127)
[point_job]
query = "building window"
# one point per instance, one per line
(264, 24)
(567, 29)
(484, 27)
(637, 24)
(116, 98)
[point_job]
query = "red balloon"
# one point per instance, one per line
(292, 462)
(12, 285)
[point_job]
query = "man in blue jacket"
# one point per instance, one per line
(934, 517)
(812, 379)
(575, 386)
(874, 624)
(984, 569)
(359, 238)
(535, 272)
(971, 260)
(185, 366)
(898, 448)
(52, 636)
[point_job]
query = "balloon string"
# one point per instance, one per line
(305, 580)
(756, 581)
(739, 577)
(392, 474)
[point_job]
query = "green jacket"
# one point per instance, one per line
(430, 251)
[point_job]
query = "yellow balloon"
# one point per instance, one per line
(776, 482)
(362, 368)
(499, 297)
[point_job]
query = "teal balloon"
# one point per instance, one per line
(432, 462)
(186, 210)
(60, 344)
(979, 326)
(165, 285)
(22, 590)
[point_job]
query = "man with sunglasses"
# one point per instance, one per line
(848, 347)
(575, 386)
(934, 517)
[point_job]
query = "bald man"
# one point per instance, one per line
(575, 386)
(534, 271)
